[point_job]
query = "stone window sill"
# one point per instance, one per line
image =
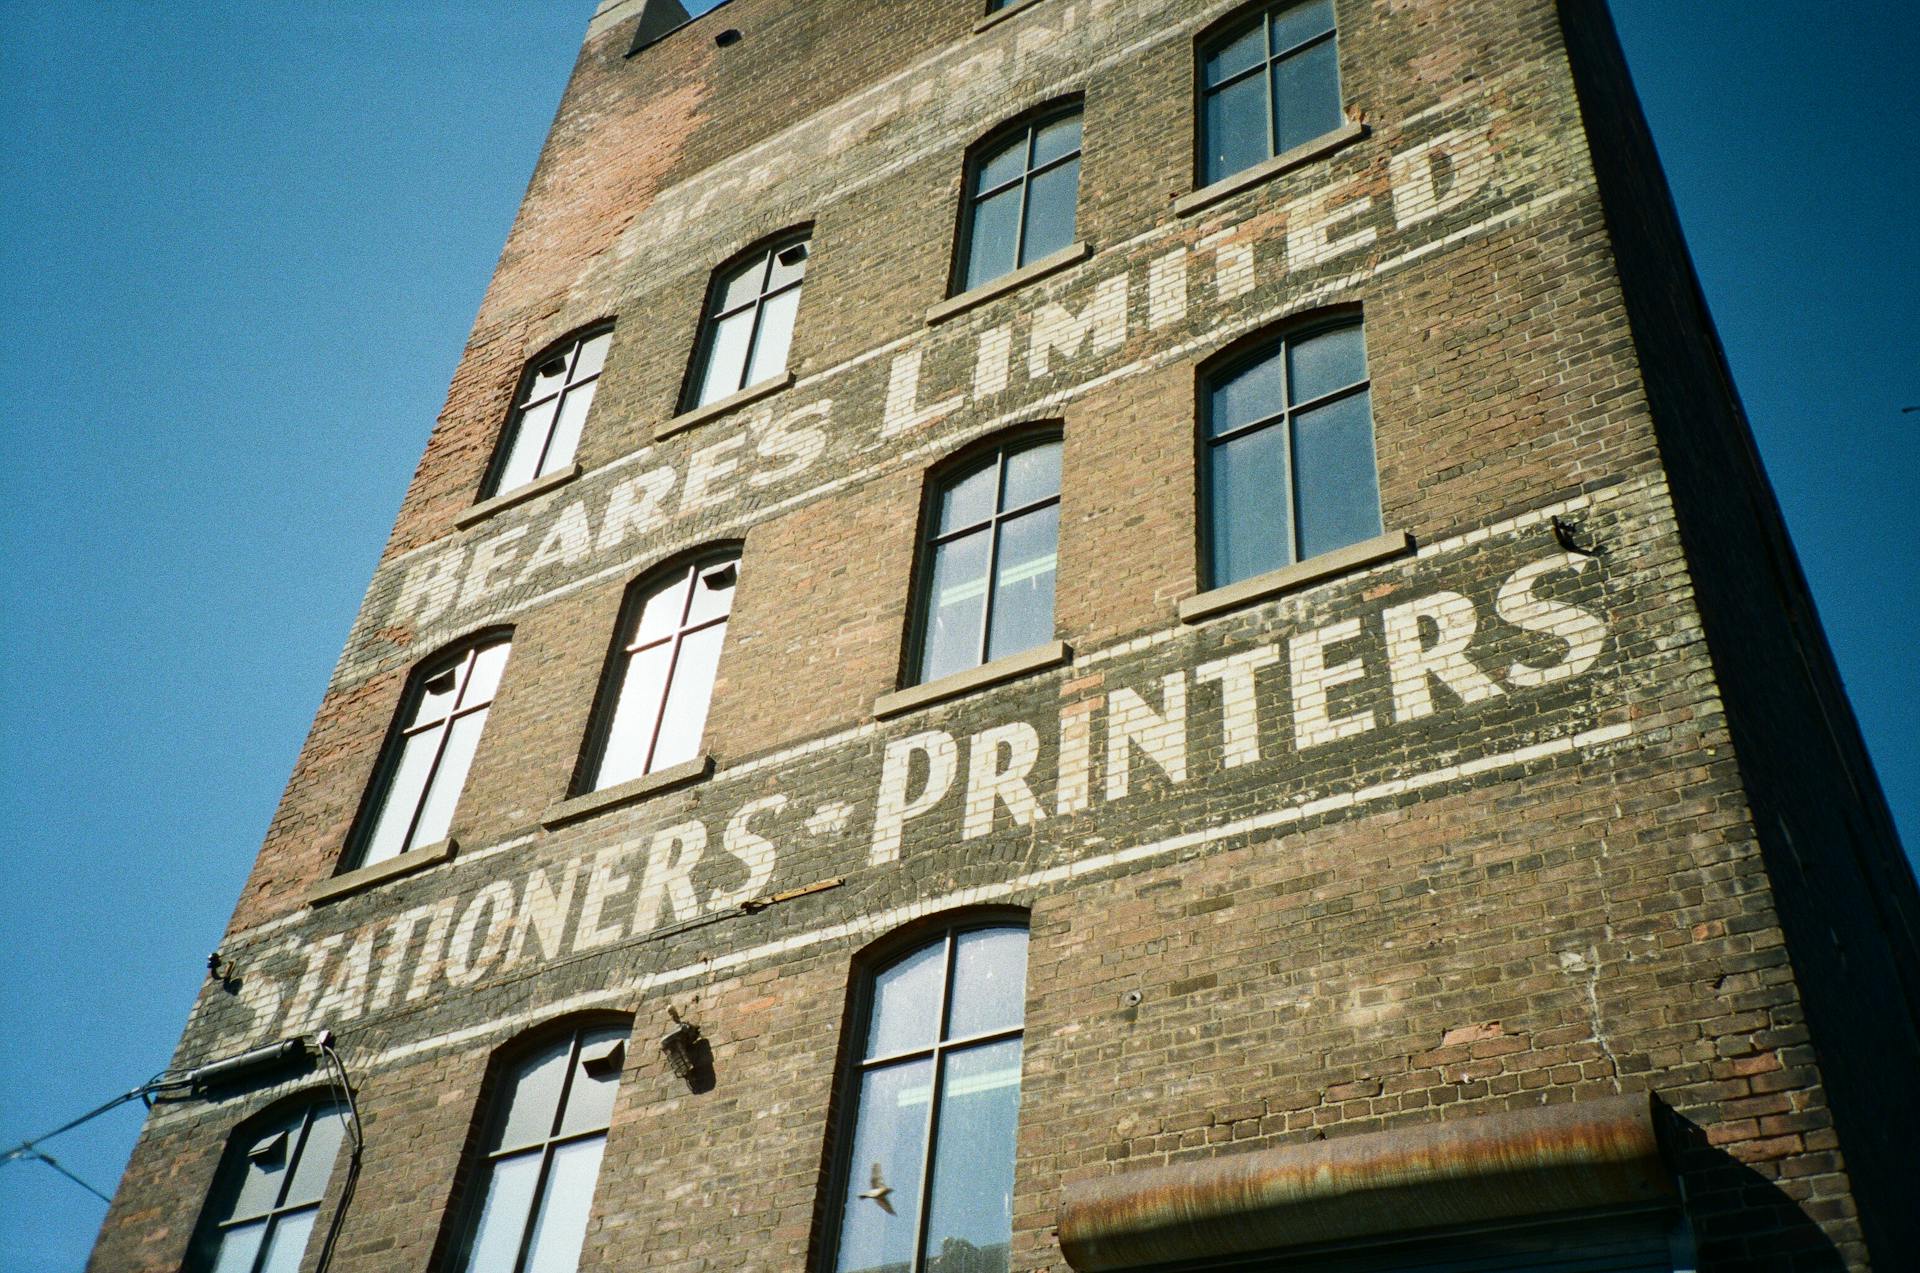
(1052, 263)
(1286, 161)
(720, 406)
(1340, 561)
(518, 495)
(1012, 667)
(696, 770)
(1001, 15)
(348, 883)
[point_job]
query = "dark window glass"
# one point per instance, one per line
(1290, 468)
(748, 327)
(929, 1175)
(445, 712)
(1267, 85)
(268, 1195)
(547, 416)
(545, 1133)
(993, 535)
(1021, 197)
(670, 653)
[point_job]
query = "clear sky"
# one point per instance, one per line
(240, 248)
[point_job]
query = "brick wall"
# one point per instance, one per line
(1345, 903)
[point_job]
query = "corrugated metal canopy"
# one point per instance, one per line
(1559, 1158)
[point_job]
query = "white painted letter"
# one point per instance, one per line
(602, 887)
(489, 559)
(492, 905)
(755, 852)
(1161, 735)
(892, 808)
(988, 782)
(570, 540)
(1320, 226)
(543, 914)
(634, 507)
(1411, 663)
(429, 588)
(903, 394)
(675, 851)
(1057, 330)
(1585, 635)
(783, 438)
(1076, 756)
(1466, 158)
(1239, 703)
(704, 472)
(1311, 678)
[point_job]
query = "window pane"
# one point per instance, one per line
(1306, 96)
(496, 1242)
(566, 433)
(593, 356)
(906, 1002)
(1050, 211)
(590, 1102)
(1331, 360)
(687, 698)
(265, 1169)
(784, 273)
(726, 358)
(996, 227)
(1056, 139)
(662, 612)
(288, 1244)
(1242, 51)
(1249, 520)
(957, 602)
(549, 374)
(888, 1137)
(1301, 23)
(635, 714)
(316, 1158)
(402, 798)
(1032, 474)
(970, 1220)
(776, 336)
(1339, 490)
(989, 981)
(484, 679)
(969, 501)
(743, 285)
(523, 455)
(1234, 120)
(1023, 591)
(533, 1097)
(436, 812)
(1251, 393)
(439, 692)
(562, 1227)
(713, 591)
(238, 1246)
(1003, 165)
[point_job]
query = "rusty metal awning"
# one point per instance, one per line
(1559, 1158)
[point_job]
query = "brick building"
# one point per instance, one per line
(1081, 634)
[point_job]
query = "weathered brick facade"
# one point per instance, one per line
(1284, 884)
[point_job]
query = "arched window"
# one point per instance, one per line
(549, 410)
(1288, 470)
(259, 1217)
(654, 709)
(539, 1154)
(748, 326)
(427, 758)
(1268, 83)
(1023, 188)
(927, 1169)
(991, 545)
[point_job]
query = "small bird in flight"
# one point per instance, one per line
(879, 1191)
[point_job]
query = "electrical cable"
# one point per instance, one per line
(337, 1077)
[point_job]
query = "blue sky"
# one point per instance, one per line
(240, 251)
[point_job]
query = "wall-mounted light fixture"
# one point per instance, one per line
(686, 1051)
